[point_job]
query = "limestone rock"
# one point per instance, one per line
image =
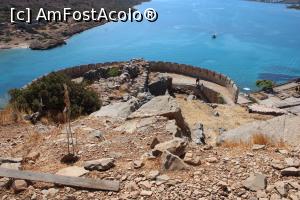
(191, 97)
(146, 185)
(32, 156)
(138, 164)
(158, 106)
(100, 165)
(290, 171)
(191, 159)
(273, 129)
(117, 110)
(73, 171)
(140, 125)
(176, 146)
(275, 196)
(276, 164)
(282, 188)
(19, 185)
(51, 192)
(146, 193)
(256, 147)
(15, 166)
(4, 182)
(162, 179)
(172, 162)
(212, 160)
(154, 142)
(153, 174)
(261, 194)
(216, 114)
(97, 134)
(161, 85)
(255, 182)
(131, 186)
(172, 128)
(165, 106)
(10, 160)
(198, 134)
(292, 162)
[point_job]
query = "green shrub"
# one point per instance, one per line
(266, 85)
(47, 94)
(113, 72)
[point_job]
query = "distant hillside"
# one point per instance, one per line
(293, 4)
(47, 35)
(279, 1)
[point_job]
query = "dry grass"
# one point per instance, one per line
(258, 138)
(234, 144)
(8, 116)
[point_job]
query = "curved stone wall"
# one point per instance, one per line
(77, 71)
(195, 72)
(187, 70)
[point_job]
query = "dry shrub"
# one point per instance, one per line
(260, 139)
(234, 144)
(9, 116)
(33, 140)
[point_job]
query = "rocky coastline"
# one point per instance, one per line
(43, 36)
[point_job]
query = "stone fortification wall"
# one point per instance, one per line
(202, 73)
(169, 67)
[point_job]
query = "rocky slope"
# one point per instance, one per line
(158, 147)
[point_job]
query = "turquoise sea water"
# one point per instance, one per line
(255, 40)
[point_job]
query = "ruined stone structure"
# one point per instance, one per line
(168, 67)
(195, 72)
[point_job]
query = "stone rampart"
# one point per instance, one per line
(195, 72)
(187, 70)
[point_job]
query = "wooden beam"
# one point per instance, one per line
(80, 182)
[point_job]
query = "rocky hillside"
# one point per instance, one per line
(48, 35)
(156, 146)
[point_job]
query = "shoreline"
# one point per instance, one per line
(17, 46)
(55, 40)
(14, 44)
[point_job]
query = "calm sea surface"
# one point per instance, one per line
(255, 40)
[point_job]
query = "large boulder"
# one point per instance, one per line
(165, 106)
(284, 128)
(141, 125)
(117, 110)
(176, 146)
(170, 161)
